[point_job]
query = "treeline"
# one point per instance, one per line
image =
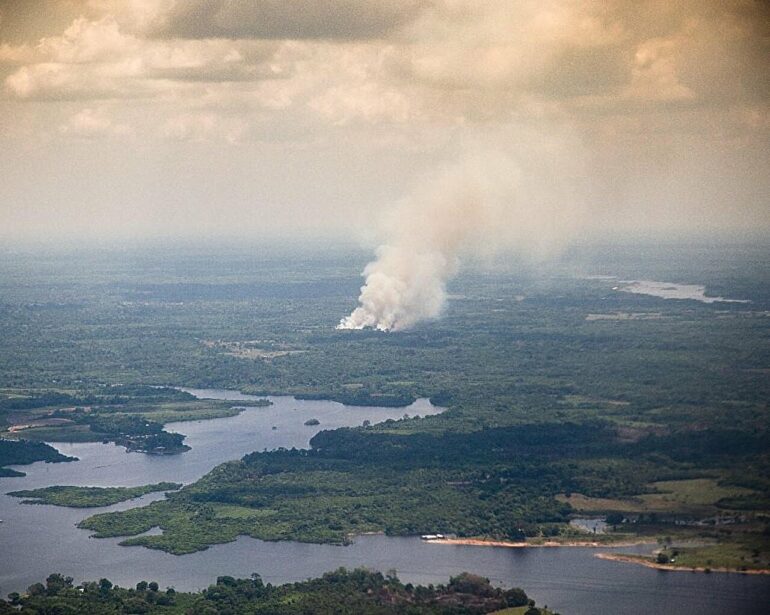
(135, 433)
(591, 439)
(360, 397)
(342, 592)
(497, 444)
(709, 446)
(106, 396)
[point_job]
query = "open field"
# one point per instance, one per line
(699, 496)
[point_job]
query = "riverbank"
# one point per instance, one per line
(480, 542)
(641, 561)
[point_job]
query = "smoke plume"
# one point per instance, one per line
(475, 207)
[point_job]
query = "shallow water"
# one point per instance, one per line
(37, 540)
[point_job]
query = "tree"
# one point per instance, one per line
(36, 589)
(135, 605)
(57, 582)
(614, 519)
(516, 597)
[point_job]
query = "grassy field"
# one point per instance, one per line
(740, 554)
(64, 433)
(698, 496)
(190, 412)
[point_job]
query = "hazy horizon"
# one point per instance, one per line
(156, 118)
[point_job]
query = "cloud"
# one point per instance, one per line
(606, 57)
(665, 104)
(408, 60)
(98, 60)
(203, 127)
(92, 124)
(286, 19)
(655, 74)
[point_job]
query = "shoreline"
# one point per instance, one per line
(631, 559)
(480, 542)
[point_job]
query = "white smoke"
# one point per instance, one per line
(478, 206)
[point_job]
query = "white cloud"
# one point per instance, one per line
(97, 60)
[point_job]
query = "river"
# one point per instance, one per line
(37, 540)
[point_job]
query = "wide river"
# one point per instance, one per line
(37, 540)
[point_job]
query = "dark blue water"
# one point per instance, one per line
(38, 540)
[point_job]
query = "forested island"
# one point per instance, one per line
(23, 452)
(88, 497)
(342, 592)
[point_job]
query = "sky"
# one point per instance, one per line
(233, 118)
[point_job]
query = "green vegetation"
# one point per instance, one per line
(557, 400)
(355, 481)
(88, 497)
(741, 547)
(198, 410)
(22, 452)
(743, 552)
(137, 434)
(697, 497)
(343, 592)
(362, 480)
(130, 416)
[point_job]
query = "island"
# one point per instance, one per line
(23, 452)
(88, 497)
